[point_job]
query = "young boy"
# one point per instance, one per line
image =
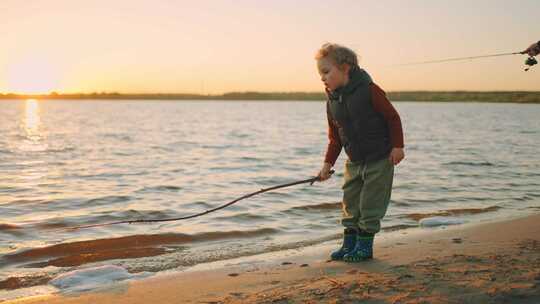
(366, 125)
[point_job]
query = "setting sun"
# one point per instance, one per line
(32, 76)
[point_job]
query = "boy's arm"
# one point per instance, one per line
(382, 105)
(334, 143)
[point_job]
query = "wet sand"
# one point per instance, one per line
(496, 262)
(135, 246)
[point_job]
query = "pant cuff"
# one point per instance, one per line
(362, 232)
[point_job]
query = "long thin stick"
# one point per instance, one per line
(459, 58)
(309, 180)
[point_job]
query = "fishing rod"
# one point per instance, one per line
(309, 180)
(530, 61)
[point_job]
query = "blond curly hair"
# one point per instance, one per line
(339, 54)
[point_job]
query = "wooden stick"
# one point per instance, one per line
(309, 180)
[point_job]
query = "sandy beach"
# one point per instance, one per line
(495, 262)
(212, 152)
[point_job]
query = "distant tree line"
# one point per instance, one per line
(465, 96)
(442, 96)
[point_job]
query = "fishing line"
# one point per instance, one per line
(458, 59)
(530, 61)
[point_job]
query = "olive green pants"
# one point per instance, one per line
(366, 194)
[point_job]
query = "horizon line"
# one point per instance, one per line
(446, 96)
(118, 93)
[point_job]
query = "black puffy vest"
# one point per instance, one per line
(363, 132)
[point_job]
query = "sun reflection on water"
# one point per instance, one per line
(32, 127)
(32, 119)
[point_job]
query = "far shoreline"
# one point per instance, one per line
(532, 97)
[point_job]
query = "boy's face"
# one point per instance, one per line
(331, 75)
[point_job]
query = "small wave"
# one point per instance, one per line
(323, 206)
(4, 227)
(128, 247)
(144, 213)
(524, 197)
(247, 158)
(183, 143)
(217, 147)
(239, 135)
(242, 217)
(121, 137)
(12, 283)
(11, 190)
(451, 212)
(102, 255)
(120, 153)
(189, 257)
(465, 163)
(161, 148)
(160, 188)
(533, 194)
(108, 216)
(60, 149)
(303, 151)
(200, 204)
(52, 225)
(5, 151)
(448, 199)
(110, 199)
(71, 203)
(399, 203)
(279, 194)
(398, 227)
(105, 176)
(226, 168)
(25, 202)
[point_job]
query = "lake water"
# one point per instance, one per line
(69, 163)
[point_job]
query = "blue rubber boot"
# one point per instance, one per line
(363, 249)
(350, 236)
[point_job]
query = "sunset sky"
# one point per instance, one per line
(211, 47)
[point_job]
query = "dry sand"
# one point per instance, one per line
(497, 262)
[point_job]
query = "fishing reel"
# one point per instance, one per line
(529, 62)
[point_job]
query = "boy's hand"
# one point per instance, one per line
(396, 155)
(324, 174)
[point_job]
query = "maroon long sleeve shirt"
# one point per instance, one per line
(382, 105)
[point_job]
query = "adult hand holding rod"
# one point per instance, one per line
(533, 49)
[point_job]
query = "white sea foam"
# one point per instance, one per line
(96, 278)
(440, 221)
